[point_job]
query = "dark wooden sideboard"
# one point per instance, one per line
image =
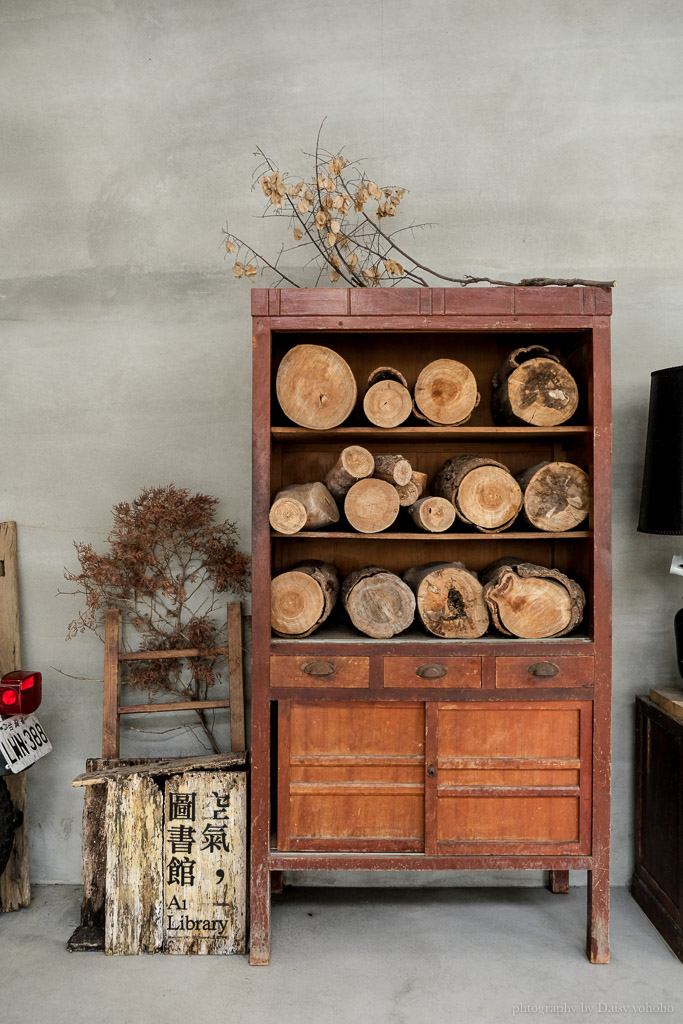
(377, 765)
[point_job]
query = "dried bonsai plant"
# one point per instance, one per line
(337, 218)
(168, 569)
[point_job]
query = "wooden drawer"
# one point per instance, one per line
(319, 670)
(541, 672)
(436, 672)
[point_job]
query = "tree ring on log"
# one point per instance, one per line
(315, 387)
(446, 392)
(489, 497)
(387, 403)
(297, 603)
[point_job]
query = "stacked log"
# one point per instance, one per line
(394, 469)
(315, 387)
(556, 496)
(387, 401)
(483, 492)
(378, 602)
(533, 388)
(303, 507)
(409, 493)
(301, 599)
(354, 463)
(450, 601)
(445, 393)
(531, 601)
(371, 505)
(435, 515)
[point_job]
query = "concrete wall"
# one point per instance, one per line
(539, 136)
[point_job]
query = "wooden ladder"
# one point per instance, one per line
(113, 656)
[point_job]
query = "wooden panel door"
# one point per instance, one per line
(511, 778)
(351, 776)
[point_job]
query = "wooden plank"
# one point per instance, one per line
(15, 886)
(161, 766)
(479, 300)
(112, 684)
(669, 699)
(134, 885)
(321, 301)
(190, 652)
(205, 863)
(238, 740)
(186, 705)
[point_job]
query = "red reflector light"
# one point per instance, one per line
(21, 692)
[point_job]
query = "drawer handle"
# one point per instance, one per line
(543, 669)
(431, 671)
(431, 771)
(319, 668)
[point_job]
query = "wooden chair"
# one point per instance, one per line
(114, 656)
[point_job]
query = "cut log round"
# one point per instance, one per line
(378, 602)
(315, 387)
(532, 601)
(354, 463)
(532, 387)
(371, 505)
(446, 393)
(394, 469)
(302, 598)
(414, 489)
(556, 496)
(433, 514)
(450, 600)
(484, 492)
(303, 507)
(387, 401)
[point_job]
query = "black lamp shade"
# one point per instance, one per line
(661, 503)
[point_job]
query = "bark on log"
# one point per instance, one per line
(394, 469)
(302, 598)
(445, 393)
(413, 490)
(531, 601)
(354, 463)
(371, 505)
(387, 401)
(315, 387)
(532, 387)
(556, 496)
(433, 514)
(484, 492)
(378, 602)
(450, 600)
(303, 507)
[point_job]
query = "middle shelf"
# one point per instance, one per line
(389, 535)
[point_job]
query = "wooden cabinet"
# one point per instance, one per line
(418, 752)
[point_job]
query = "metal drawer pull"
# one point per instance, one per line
(431, 671)
(543, 669)
(319, 668)
(431, 771)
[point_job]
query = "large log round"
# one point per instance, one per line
(315, 387)
(532, 387)
(301, 599)
(387, 401)
(371, 505)
(303, 507)
(556, 496)
(445, 393)
(532, 601)
(450, 600)
(354, 463)
(484, 492)
(378, 602)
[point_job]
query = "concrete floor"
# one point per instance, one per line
(436, 956)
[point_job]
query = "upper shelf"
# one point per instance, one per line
(356, 435)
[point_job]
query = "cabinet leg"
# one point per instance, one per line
(276, 882)
(559, 881)
(259, 913)
(597, 943)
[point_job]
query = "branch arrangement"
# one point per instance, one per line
(168, 569)
(337, 221)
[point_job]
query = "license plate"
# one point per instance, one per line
(22, 741)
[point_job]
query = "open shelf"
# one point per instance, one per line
(345, 633)
(357, 435)
(424, 535)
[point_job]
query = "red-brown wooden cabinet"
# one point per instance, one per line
(484, 764)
